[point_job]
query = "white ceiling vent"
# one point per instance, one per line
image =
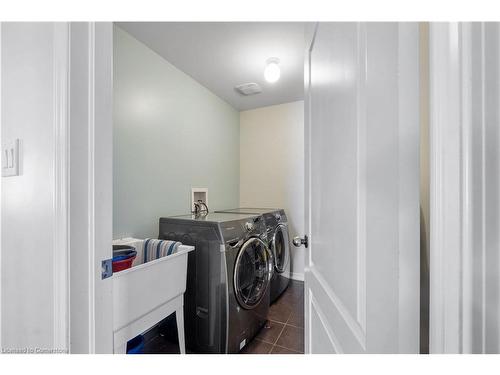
(248, 89)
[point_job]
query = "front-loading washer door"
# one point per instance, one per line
(252, 273)
(280, 248)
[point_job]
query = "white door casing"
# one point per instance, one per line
(91, 91)
(61, 186)
(1, 163)
(362, 189)
(465, 188)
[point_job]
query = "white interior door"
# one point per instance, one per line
(362, 189)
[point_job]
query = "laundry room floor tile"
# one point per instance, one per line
(283, 334)
(271, 332)
(297, 317)
(295, 288)
(257, 347)
(285, 328)
(280, 312)
(292, 338)
(280, 350)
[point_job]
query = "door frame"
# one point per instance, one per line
(460, 220)
(309, 38)
(61, 186)
(448, 188)
(1, 163)
(91, 180)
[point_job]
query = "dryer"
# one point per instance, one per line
(228, 282)
(279, 243)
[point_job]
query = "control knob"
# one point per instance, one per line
(249, 226)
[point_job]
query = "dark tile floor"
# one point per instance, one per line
(283, 333)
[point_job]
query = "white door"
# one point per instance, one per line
(362, 189)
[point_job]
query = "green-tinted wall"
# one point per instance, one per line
(170, 134)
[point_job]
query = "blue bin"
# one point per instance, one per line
(136, 345)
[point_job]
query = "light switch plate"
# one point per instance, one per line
(11, 158)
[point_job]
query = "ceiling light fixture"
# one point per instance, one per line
(272, 70)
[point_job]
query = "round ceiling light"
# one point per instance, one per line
(272, 71)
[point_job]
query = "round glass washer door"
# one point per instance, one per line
(252, 273)
(280, 248)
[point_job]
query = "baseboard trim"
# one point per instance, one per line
(297, 276)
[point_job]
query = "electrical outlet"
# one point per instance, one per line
(10, 158)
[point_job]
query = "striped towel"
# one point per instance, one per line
(155, 249)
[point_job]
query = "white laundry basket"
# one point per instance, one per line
(147, 293)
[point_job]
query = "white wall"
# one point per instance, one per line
(170, 134)
(272, 166)
(28, 201)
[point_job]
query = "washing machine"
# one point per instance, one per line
(278, 241)
(228, 283)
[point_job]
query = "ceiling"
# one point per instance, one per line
(221, 55)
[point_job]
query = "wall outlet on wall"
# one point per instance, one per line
(11, 158)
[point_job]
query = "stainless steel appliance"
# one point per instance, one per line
(279, 243)
(228, 282)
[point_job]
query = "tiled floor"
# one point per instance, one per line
(283, 334)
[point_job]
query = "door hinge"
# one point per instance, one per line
(106, 268)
